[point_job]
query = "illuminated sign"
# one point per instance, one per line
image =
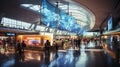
(10, 34)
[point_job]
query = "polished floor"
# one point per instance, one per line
(62, 58)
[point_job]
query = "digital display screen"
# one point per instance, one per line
(110, 23)
(52, 19)
(32, 40)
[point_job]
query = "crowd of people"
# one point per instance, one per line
(48, 46)
(78, 42)
(7, 43)
(11, 43)
(20, 46)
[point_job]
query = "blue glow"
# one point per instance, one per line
(82, 60)
(9, 63)
(66, 22)
(63, 60)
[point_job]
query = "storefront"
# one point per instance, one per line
(7, 35)
(34, 40)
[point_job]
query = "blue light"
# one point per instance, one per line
(50, 19)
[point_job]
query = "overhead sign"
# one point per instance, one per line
(10, 34)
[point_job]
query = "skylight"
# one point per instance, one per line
(32, 7)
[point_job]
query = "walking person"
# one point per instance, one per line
(23, 46)
(47, 46)
(18, 46)
(116, 48)
(55, 45)
(4, 44)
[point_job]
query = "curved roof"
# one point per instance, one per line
(84, 17)
(78, 15)
(99, 8)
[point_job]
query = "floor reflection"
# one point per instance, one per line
(19, 57)
(8, 63)
(61, 58)
(82, 59)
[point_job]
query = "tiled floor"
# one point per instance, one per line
(62, 58)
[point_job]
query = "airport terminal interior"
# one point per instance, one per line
(59, 33)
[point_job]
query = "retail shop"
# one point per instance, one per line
(35, 39)
(7, 36)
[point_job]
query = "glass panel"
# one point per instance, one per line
(42, 28)
(25, 25)
(36, 7)
(14, 23)
(26, 5)
(32, 7)
(38, 28)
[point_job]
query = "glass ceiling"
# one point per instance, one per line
(75, 19)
